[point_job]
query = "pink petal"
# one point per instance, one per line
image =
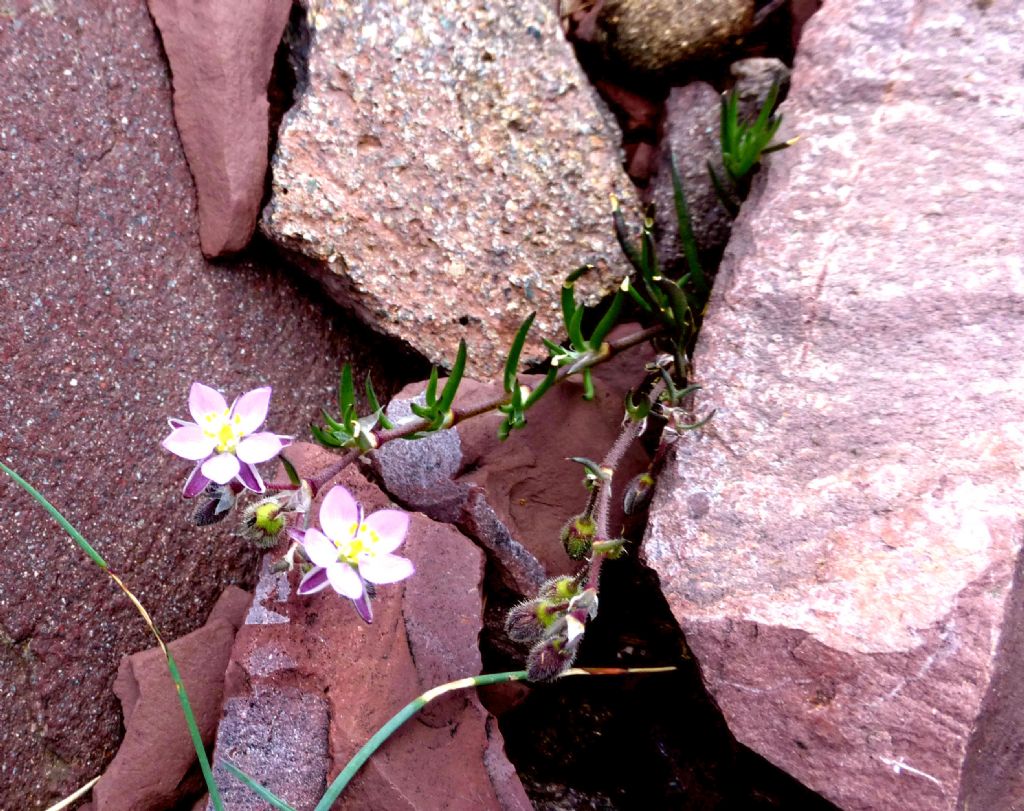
(259, 447)
(385, 568)
(202, 400)
(174, 422)
(189, 442)
(221, 468)
(314, 581)
(345, 581)
(318, 549)
(251, 408)
(195, 483)
(296, 534)
(338, 513)
(390, 526)
(250, 478)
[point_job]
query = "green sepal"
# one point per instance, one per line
(512, 363)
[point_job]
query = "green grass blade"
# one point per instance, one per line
(172, 667)
(256, 788)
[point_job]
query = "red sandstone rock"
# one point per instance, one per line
(446, 147)
(149, 771)
(221, 55)
(306, 669)
(842, 544)
(108, 314)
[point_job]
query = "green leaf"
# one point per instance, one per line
(628, 250)
(424, 412)
(333, 424)
(574, 331)
(512, 363)
(542, 387)
(604, 326)
(593, 468)
(289, 469)
(686, 230)
(452, 386)
(682, 315)
(375, 407)
(588, 385)
(430, 395)
(322, 437)
(637, 297)
(346, 394)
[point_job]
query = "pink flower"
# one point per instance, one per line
(352, 550)
(223, 441)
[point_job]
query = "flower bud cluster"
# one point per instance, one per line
(553, 623)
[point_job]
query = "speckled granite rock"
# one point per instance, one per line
(221, 55)
(333, 681)
(842, 544)
(447, 166)
(660, 36)
(109, 313)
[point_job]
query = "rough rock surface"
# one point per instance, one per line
(444, 170)
(515, 496)
(109, 313)
(692, 125)
(335, 680)
(842, 544)
(156, 766)
(658, 36)
(221, 55)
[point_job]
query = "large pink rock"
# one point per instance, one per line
(446, 167)
(221, 55)
(841, 545)
(309, 683)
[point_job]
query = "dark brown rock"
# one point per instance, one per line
(660, 36)
(851, 586)
(337, 680)
(150, 769)
(221, 55)
(109, 313)
(420, 164)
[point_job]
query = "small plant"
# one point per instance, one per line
(744, 143)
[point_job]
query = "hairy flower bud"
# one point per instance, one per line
(217, 501)
(554, 654)
(263, 521)
(560, 589)
(613, 548)
(524, 622)
(578, 535)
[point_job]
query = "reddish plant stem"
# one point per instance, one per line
(610, 350)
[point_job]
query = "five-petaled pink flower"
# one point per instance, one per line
(353, 549)
(224, 441)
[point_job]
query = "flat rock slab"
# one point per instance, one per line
(445, 168)
(108, 314)
(309, 683)
(841, 544)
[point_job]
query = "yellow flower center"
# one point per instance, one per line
(224, 429)
(362, 542)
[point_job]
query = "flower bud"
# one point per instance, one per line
(559, 589)
(263, 522)
(554, 654)
(217, 501)
(524, 622)
(578, 535)
(638, 493)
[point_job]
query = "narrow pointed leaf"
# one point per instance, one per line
(322, 437)
(512, 363)
(289, 469)
(542, 387)
(604, 326)
(346, 391)
(588, 384)
(375, 407)
(264, 793)
(430, 395)
(423, 412)
(452, 385)
(686, 230)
